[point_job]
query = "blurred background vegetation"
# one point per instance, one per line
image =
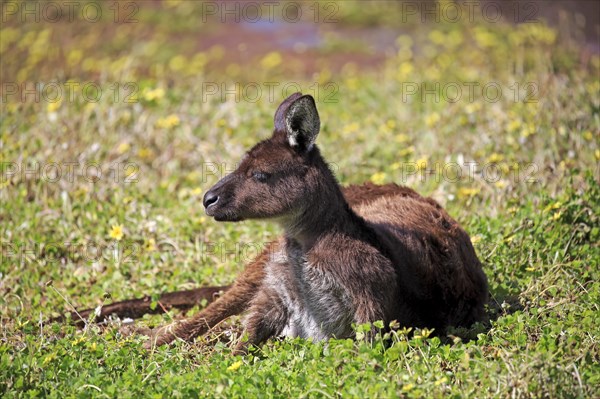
(116, 117)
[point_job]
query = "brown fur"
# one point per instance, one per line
(237, 298)
(368, 253)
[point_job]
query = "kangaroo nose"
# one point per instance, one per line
(210, 198)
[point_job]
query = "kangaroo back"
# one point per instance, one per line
(435, 261)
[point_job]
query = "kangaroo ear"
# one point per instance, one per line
(282, 111)
(302, 123)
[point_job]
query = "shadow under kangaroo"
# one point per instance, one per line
(348, 255)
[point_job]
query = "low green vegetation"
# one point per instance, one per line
(101, 201)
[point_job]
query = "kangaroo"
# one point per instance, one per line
(346, 257)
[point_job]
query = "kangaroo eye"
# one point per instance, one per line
(260, 176)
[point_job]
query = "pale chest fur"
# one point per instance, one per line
(316, 305)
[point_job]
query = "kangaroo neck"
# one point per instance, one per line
(326, 211)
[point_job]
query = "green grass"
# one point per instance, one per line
(534, 218)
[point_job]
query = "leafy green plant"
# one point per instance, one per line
(139, 228)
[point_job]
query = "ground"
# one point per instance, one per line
(104, 172)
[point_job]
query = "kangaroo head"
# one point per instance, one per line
(277, 177)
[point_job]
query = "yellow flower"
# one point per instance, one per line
(235, 366)
(49, 358)
(528, 131)
(145, 153)
(197, 63)
(151, 245)
(514, 125)
(89, 107)
(131, 174)
(177, 63)
(172, 3)
(74, 57)
(168, 122)
(404, 41)
(352, 83)
(553, 206)
(153, 94)
(123, 147)
(437, 37)
(556, 216)
(441, 381)
(351, 128)
(495, 158)
(271, 60)
(53, 106)
(475, 239)
(116, 232)
(466, 192)
(233, 70)
(432, 119)
(81, 192)
(378, 178)
(485, 38)
(324, 76)
(408, 387)
(404, 70)
(199, 220)
(183, 193)
(402, 138)
(562, 130)
(472, 108)
(12, 108)
(197, 191)
(216, 52)
(588, 135)
(501, 184)
(421, 163)
(406, 151)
